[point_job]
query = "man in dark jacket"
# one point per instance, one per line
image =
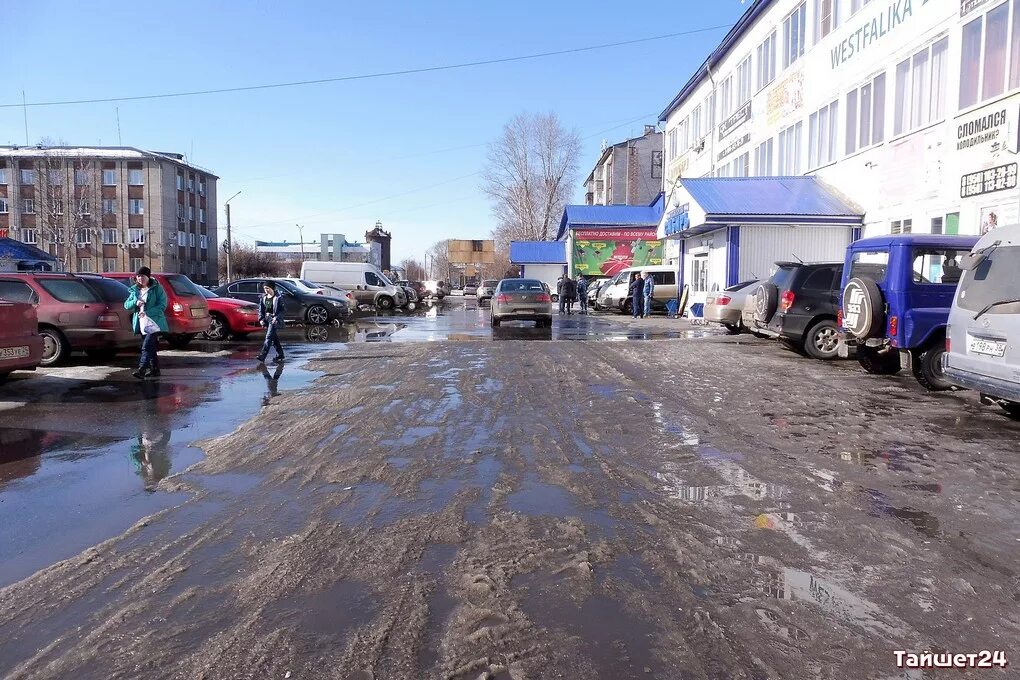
(271, 308)
(570, 289)
(636, 291)
(582, 293)
(561, 293)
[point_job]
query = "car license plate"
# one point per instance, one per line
(20, 352)
(992, 348)
(197, 312)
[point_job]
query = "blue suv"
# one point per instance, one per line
(897, 293)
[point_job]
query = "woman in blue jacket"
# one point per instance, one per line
(147, 300)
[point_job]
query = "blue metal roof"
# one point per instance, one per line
(538, 252)
(925, 240)
(16, 250)
(773, 196)
(575, 216)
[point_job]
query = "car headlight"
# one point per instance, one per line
(334, 303)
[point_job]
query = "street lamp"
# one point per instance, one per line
(230, 243)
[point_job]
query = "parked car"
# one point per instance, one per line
(726, 307)
(799, 305)
(615, 295)
(471, 290)
(594, 286)
(304, 285)
(230, 317)
(896, 294)
(983, 336)
(73, 314)
(521, 300)
(187, 312)
(436, 289)
(364, 280)
(340, 294)
(417, 286)
(485, 291)
(301, 306)
(21, 346)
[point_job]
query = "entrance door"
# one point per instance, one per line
(699, 283)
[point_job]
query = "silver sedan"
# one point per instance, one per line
(521, 300)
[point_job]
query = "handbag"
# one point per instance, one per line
(149, 326)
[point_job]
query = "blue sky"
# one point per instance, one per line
(336, 157)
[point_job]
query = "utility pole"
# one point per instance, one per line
(230, 243)
(301, 238)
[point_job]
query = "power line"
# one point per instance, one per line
(369, 76)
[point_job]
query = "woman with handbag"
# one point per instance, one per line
(148, 302)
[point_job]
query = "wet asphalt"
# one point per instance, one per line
(404, 498)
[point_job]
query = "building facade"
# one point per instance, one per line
(102, 209)
(378, 242)
(909, 108)
(628, 173)
(336, 247)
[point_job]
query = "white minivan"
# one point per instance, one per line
(615, 294)
(364, 280)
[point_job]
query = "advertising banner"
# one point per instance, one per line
(606, 252)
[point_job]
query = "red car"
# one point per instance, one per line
(187, 312)
(229, 316)
(21, 346)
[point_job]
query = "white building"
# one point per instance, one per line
(908, 110)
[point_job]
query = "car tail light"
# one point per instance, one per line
(839, 318)
(504, 299)
(544, 297)
(177, 308)
(723, 300)
(894, 326)
(787, 301)
(108, 321)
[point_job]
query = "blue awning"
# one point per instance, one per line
(538, 252)
(580, 216)
(16, 250)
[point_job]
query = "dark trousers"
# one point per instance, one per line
(271, 341)
(563, 305)
(635, 302)
(150, 352)
(583, 299)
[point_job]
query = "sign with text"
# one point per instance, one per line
(606, 252)
(742, 115)
(986, 181)
(785, 97)
(734, 145)
(872, 29)
(968, 6)
(984, 127)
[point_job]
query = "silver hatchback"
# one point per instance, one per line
(521, 300)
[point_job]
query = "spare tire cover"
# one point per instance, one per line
(863, 308)
(766, 301)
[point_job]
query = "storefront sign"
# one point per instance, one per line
(872, 30)
(734, 145)
(786, 97)
(679, 167)
(986, 181)
(730, 124)
(677, 220)
(606, 252)
(968, 6)
(986, 127)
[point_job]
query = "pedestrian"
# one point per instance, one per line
(561, 293)
(571, 289)
(147, 300)
(636, 292)
(582, 293)
(649, 293)
(271, 309)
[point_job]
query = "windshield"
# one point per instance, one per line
(517, 285)
(307, 284)
(489, 283)
(994, 280)
(183, 286)
(108, 289)
(206, 293)
(872, 264)
(783, 277)
(69, 290)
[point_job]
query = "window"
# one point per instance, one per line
(29, 236)
(696, 125)
(56, 206)
(767, 61)
(865, 115)
(191, 184)
(83, 237)
(56, 177)
(203, 268)
(993, 280)
(109, 178)
(111, 236)
(936, 225)
(723, 170)
(3, 175)
(182, 239)
(110, 264)
(136, 263)
(28, 206)
(684, 135)
(17, 291)
(81, 177)
(822, 128)
(699, 273)
(921, 88)
(1014, 62)
(901, 226)
(826, 17)
(793, 35)
(180, 183)
(28, 176)
(709, 112)
(136, 236)
(873, 264)
(191, 212)
(656, 171)
(3, 205)
(664, 278)
(984, 62)
(191, 239)
(789, 150)
(135, 177)
(857, 5)
(937, 265)
(671, 143)
(741, 165)
(763, 159)
(84, 265)
(136, 206)
(201, 187)
(744, 81)
(820, 279)
(201, 214)
(203, 239)
(180, 212)
(726, 98)
(109, 206)
(83, 207)
(372, 280)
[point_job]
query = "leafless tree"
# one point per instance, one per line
(247, 262)
(439, 261)
(531, 169)
(413, 269)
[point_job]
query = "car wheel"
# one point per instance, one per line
(766, 301)
(494, 321)
(822, 340)
(317, 334)
(101, 354)
(384, 303)
(317, 315)
(863, 308)
(734, 328)
(878, 362)
(55, 347)
(628, 307)
(928, 368)
(180, 340)
(218, 328)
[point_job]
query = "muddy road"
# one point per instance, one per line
(694, 507)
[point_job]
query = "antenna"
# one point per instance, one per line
(119, 141)
(798, 258)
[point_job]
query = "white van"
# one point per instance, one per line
(365, 281)
(616, 293)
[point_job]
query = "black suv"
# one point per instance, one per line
(300, 306)
(799, 305)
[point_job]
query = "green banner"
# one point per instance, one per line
(608, 258)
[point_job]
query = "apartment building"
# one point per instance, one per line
(627, 173)
(102, 209)
(906, 110)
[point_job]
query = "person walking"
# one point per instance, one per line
(636, 292)
(561, 293)
(649, 290)
(271, 309)
(571, 289)
(147, 300)
(582, 293)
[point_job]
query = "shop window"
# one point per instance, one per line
(865, 115)
(822, 127)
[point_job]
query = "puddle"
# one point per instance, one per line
(607, 391)
(774, 623)
(538, 499)
(487, 471)
(633, 570)
(411, 436)
(234, 483)
(333, 613)
(399, 462)
(436, 558)
(924, 523)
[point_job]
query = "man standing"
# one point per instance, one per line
(636, 292)
(561, 293)
(570, 288)
(649, 289)
(582, 293)
(271, 309)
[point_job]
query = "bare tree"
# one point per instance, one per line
(413, 269)
(248, 261)
(439, 261)
(529, 174)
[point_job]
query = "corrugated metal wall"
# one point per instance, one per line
(761, 247)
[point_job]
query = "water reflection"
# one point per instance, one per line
(150, 455)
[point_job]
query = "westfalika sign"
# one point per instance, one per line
(873, 30)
